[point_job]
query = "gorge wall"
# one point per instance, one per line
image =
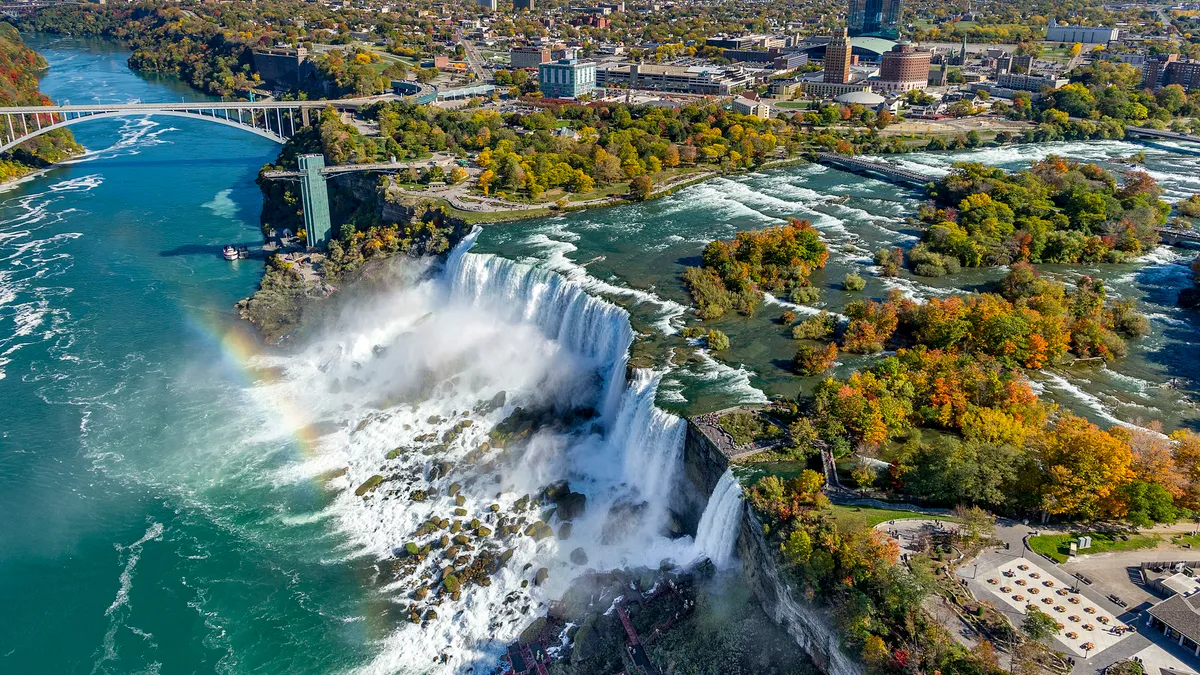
(806, 623)
(703, 465)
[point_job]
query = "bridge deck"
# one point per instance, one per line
(881, 167)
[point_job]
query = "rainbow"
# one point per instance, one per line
(241, 351)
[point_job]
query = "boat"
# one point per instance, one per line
(230, 253)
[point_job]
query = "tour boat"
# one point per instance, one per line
(230, 253)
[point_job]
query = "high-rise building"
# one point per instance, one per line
(903, 69)
(879, 18)
(523, 4)
(566, 78)
(837, 59)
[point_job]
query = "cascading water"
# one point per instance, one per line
(417, 378)
(717, 534)
(652, 440)
(560, 309)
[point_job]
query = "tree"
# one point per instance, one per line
(1147, 504)
(640, 188)
(485, 180)
(977, 524)
(864, 475)
(1084, 468)
(458, 175)
(1039, 625)
(883, 119)
(717, 341)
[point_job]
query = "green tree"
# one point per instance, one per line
(1039, 625)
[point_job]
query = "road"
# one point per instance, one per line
(473, 57)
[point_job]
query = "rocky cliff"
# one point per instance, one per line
(807, 624)
(703, 465)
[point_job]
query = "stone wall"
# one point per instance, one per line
(703, 465)
(808, 625)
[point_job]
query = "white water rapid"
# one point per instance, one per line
(407, 385)
(716, 537)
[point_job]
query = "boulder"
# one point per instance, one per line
(579, 556)
(570, 506)
(539, 578)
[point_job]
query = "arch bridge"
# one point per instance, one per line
(275, 120)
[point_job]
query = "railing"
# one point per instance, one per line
(276, 120)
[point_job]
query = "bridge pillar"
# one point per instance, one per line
(304, 116)
(315, 199)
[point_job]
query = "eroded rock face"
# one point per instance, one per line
(808, 625)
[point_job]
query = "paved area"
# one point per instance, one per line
(1155, 660)
(1119, 571)
(909, 533)
(1085, 627)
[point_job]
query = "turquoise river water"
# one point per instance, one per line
(161, 501)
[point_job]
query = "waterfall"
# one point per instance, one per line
(560, 309)
(722, 520)
(651, 440)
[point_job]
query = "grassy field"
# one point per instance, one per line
(1058, 546)
(864, 517)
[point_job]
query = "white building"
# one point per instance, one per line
(1082, 34)
(747, 106)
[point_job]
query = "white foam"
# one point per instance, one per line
(716, 536)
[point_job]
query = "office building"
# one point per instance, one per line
(707, 80)
(903, 69)
(488, 4)
(1082, 34)
(751, 106)
(878, 18)
(566, 78)
(837, 59)
(523, 4)
(528, 57)
(1025, 82)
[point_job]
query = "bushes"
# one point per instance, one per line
(889, 261)
(815, 327)
(717, 341)
(1189, 207)
(734, 274)
(810, 360)
(804, 295)
(853, 282)
(926, 263)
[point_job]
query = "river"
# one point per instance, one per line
(161, 476)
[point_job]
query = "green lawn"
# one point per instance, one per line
(792, 105)
(864, 517)
(1058, 546)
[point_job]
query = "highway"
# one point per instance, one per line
(473, 57)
